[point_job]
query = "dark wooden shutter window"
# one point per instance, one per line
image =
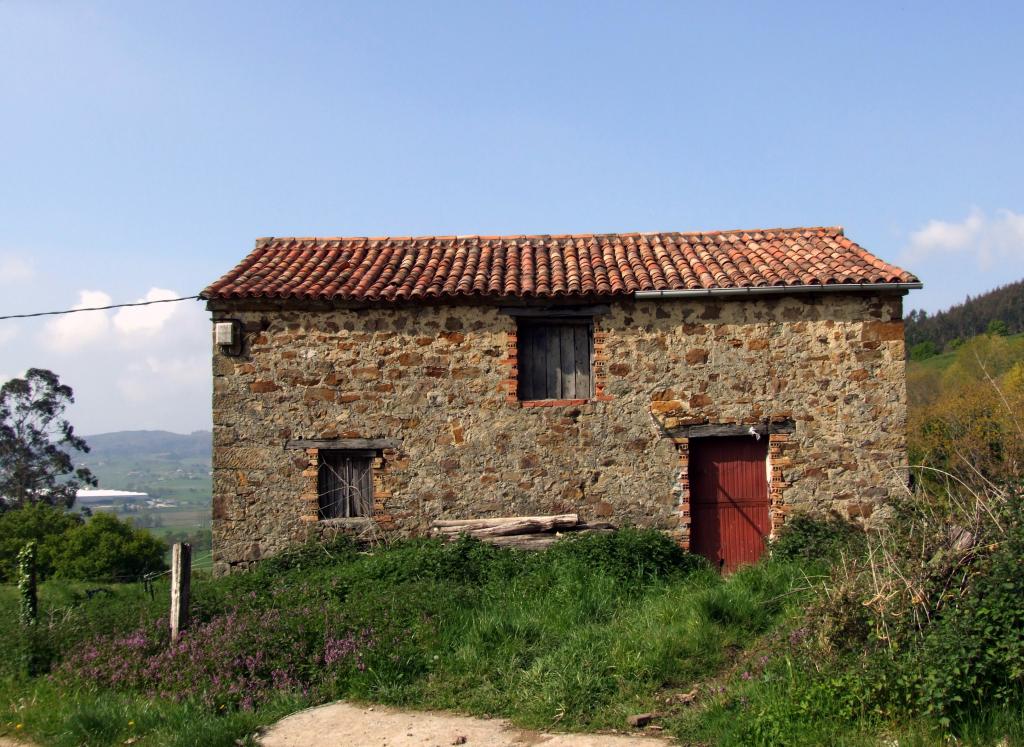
(345, 484)
(555, 359)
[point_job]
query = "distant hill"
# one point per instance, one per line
(172, 469)
(972, 317)
(153, 462)
(159, 445)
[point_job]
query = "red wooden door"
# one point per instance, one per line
(729, 499)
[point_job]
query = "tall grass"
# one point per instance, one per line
(574, 638)
(579, 636)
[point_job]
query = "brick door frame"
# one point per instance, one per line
(780, 447)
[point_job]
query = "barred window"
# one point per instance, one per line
(345, 484)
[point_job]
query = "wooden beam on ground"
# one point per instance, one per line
(506, 526)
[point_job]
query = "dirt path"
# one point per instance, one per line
(350, 725)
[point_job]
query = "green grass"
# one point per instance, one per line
(52, 716)
(576, 638)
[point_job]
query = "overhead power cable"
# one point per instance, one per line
(98, 308)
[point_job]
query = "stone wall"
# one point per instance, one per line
(438, 378)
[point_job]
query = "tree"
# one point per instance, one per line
(923, 351)
(108, 549)
(997, 327)
(40, 523)
(35, 466)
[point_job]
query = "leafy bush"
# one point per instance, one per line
(629, 555)
(108, 549)
(925, 622)
(924, 350)
(40, 523)
(806, 537)
(104, 548)
(973, 656)
(965, 420)
(309, 556)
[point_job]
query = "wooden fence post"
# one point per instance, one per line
(181, 573)
(27, 584)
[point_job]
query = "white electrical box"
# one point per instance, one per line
(224, 333)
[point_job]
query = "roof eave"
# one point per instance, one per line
(772, 290)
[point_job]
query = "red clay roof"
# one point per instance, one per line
(399, 269)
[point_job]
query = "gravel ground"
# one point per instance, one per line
(344, 724)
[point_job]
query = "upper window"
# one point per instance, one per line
(554, 359)
(345, 484)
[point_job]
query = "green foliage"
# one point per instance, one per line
(806, 537)
(35, 466)
(997, 327)
(108, 549)
(102, 548)
(973, 656)
(64, 718)
(629, 555)
(925, 625)
(586, 633)
(924, 350)
(966, 418)
(970, 318)
(29, 608)
(40, 523)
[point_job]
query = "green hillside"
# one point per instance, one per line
(173, 470)
(158, 444)
(940, 363)
(946, 329)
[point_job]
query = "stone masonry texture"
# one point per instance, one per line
(436, 378)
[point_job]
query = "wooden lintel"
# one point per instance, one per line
(347, 444)
(730, 429)
(555, 312)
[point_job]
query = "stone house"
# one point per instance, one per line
(707, 384)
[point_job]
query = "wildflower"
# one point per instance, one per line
(18, 726)
(746, 675)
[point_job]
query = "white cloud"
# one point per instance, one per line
(134, 367)
(7, 333)
(76, 331)
(14, 270)
(988, 239)
(147, 320)
(167, 377)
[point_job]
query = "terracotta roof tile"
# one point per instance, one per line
(399, 269)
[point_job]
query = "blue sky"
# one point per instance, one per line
(145, 146)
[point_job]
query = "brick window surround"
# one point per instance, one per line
(779, 455)
(599, 371)
(381, 478)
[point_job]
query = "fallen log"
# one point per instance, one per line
(522, 525)
(466, 525)
(523, 532)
